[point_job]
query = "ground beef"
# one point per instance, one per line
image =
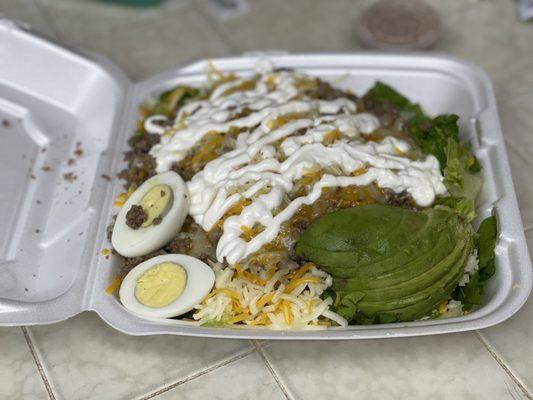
(327, 92)
(387, 112)
(194, 241)
(135, 217)
(244, 112)
(181, 170)
(142, 142)
(324, 91)
(129, 263)
(402, 199)
(300, 224)
(141, 165)
(191, 165)
(110, 228)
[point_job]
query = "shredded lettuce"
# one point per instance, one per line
(217, 323)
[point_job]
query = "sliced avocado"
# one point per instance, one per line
(414, 273)
(418, 304)
(341, 263)
(417, 284)
(422, 255)
(424, 307)
(399, 263)
(359, 235)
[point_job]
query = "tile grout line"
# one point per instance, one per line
(271, 369)
(38, 363)
(198, 374)
(502, 363)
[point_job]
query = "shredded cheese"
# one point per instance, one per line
(114, 285)
(287, 298)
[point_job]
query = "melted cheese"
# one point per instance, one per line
(271, 157)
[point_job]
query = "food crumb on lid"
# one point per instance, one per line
(70, 177)
(79, 151)
(46, 168)
(105, 177)
(5, 123)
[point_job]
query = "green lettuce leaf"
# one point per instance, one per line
(433, 136)
(382, 92)
(215, 323)
(471, 294)
(455, 168)
(347, 307)
(486, 244)
(486, 237)
(461, 205)
(171, 100)
(438, 136)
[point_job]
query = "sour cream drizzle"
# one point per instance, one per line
(268, 161)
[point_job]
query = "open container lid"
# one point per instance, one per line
(64, 121)
(58, 109)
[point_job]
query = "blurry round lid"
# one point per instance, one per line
(399, 24)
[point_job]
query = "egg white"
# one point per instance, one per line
(138, 242)
(200, 280)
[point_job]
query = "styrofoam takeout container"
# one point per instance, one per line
(52, 230)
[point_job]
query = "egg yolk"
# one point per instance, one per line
(160, 285)
(156, 203)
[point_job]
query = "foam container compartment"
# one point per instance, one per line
(52, 230)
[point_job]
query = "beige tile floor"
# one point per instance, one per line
(82, 358)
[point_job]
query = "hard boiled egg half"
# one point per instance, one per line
(151, 216)
(166, 286)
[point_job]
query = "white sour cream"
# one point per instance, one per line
(267, 163)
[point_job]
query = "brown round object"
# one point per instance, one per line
(399, 24)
